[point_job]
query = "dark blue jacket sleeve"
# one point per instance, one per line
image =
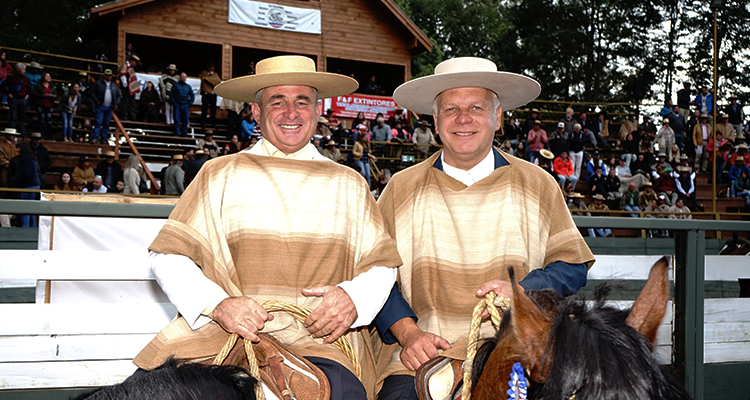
(395, 308)
(564, 278)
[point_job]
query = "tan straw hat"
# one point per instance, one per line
(177, 157)
(172, 67)
(109, 153)
(10, 131)
(286, 70)
(547, 154)
(513, 90)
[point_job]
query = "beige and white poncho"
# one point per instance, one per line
(267, 227)
(453, 238)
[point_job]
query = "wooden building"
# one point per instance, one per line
(359, 37)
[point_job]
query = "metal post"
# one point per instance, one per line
(716, 96)
(688, 301)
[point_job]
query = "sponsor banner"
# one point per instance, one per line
(348, 106)
(195, 83)
(274, 16)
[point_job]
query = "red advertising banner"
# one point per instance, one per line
(348, 106)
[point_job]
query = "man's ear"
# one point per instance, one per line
(499, 115)
(255, 109)
(319, 107)
(434, 118)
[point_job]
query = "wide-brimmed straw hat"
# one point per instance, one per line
(547, 154)
(513, 90)
(35, 64)
(331, 143)
(178, 157)
(10, 131)
(598, 196)
(286, 70)
(35, 135)
(109, 153)
(172, 67)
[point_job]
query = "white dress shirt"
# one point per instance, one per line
(475, 174)
(195, 296)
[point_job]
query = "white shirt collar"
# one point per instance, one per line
(265, 148)
(475, 174)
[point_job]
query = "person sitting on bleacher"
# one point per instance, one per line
(680, 210)
(210, 144)
(741, 186)
(593, 162)
(647, 195)
(83, 174)
(612, 185)
(564, 170)
(630, 200)
(735, 171)
(666, 186)
(598, 205)
(596, 182)
(96, 186)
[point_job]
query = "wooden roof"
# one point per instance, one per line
(421, 39)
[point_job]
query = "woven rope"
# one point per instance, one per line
(489, 303)
(300, 313)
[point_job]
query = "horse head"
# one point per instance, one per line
(571, 349)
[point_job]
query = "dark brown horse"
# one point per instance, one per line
(570, 349)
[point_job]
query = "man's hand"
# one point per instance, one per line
(241, 315)
(501, 288)
(417, 346)
(333, 316)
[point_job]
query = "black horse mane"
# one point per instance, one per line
(176, 381)
(596, 355)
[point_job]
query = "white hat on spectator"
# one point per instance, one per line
(561, 124)
(513, 90)
(172, 67)
(35, 135)
(10, 131)
(286, 70)
(109, 153)
(36, 65)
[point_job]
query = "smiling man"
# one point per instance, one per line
(463, 216)
(248, 228)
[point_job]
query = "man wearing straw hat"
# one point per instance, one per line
(174, 177)
(219, 254)
(463, 216)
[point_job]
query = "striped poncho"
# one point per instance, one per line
(453, 238)
(267, 227)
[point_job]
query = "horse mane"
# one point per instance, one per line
(594, 354)
(175, 381)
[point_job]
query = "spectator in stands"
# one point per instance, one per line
(705, 103)
(332, 153)
(400, 135)
(83, 174)
(101, 55)
(132, 175)
(674, 155)
(209, 143)
(5, 69)
(665, 137)
(43, 99)
(578, 207)
(601, 211)
(96, 186)
(70, 102)
(630, 200)
(528, 124)
(422, 138)
(84, 89)
(109, 169)
(722, 150)
(677, 123)
(568, 120)
(600, 127)
(512, 130)
(545, 160)
(537, 140)
(64, 183)
(192, 169)
(685, 181)
(612, 185)
(381, 133)
(733, 111)
(361, 120)
(622, 169)
(689, 147)
(575, 151)
(596, 182)
(558, 140)
(735, 171)
(640, 166)
(654, 207)
(741, 152)
(371, 87)
(248, 126)
(362, 156)
(701, 133)
(182, 98)
(680, 211)
(174, 177)
(647, 194)
(209, 79)
(234, 145)
(317, 145)
(166, 82)
(628, 126)
(18, 89)
(741, 186)
(130, 87)
(507, 147)
(41, 154)
(593, 163)
(107, 96)
(34, 73)
(119, 187)
(683, 100)
(22, 173)
(565, 171)
(234, 111)
(667, 187)
(150, 103)
(659, 165)
(630, 149)
(7, 152)
(521, 150)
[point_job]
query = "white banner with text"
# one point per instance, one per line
(274, 16)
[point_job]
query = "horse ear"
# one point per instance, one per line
(651, 305)
(531, 327)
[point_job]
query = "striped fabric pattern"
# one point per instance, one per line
(266, 228)
(453, 238)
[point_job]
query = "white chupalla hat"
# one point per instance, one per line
(513, 90)
(286, 70)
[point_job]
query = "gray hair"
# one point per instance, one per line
(21, 66)
(259, 95)
(133, 162)
(495, 103)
